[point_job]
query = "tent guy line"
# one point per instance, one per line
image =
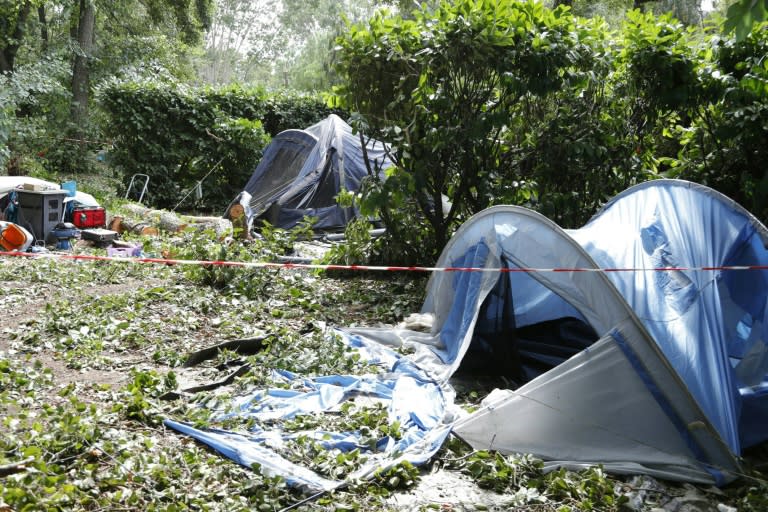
(377, 268)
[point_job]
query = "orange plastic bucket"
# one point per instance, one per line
(12, 237)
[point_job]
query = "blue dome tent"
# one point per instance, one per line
(638, 369)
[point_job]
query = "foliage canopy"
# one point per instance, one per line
(508, 101)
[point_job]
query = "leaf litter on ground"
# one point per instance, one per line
(87, 350)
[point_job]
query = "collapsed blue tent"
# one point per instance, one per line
(637, 342)
(417, 403)
(641, 370)
(302, 172)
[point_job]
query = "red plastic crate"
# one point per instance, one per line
(92, 217)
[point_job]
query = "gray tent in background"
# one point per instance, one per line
(302, 172)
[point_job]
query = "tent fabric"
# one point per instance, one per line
(302, 172)
(627, 342)
(280, 164)
(673, 381)
(421, 406)
(709, 324)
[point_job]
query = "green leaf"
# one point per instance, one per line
(743, 15)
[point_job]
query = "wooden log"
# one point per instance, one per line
(240, 227)
(221, 226)
(200, 219)
(163, 220)
(116, 224)
(237, 211)
(170, 222)
(138, 227)
(137, 210)
(240, 221)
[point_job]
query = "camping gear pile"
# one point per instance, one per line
(637, 342)
(36, 212)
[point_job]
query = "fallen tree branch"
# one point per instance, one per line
(16, 467)
(122, 225)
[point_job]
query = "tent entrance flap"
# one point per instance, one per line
(501, 346)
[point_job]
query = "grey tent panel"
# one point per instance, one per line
(281, 163)
(303, 171)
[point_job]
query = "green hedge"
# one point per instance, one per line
(284, 111)
(180, 136)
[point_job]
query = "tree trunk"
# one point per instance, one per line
(8, 53)
(123, 225)
(43, 26)
(80, 69)
(169, 222)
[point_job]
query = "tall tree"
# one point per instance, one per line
(96, 39)
(310, 30)
(240, 38)
(689, 12)
(189, 17)
(83, 47)
(42, 18)
(280, 43)
(13, 20)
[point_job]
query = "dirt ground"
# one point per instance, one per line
(33, 307)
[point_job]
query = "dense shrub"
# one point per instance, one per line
(289, 110)
(175, 137)
(725, 147)
(511, 102)
(488, 102)
(34, 127)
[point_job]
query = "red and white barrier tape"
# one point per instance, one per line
(313, 266)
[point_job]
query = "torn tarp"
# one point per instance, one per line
(421, 407)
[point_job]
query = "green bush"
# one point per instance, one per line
(34, 106)
(180, 138)
(512, 102)
(291, 110)
(278, 111)
(458, 91)
(725, 145)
